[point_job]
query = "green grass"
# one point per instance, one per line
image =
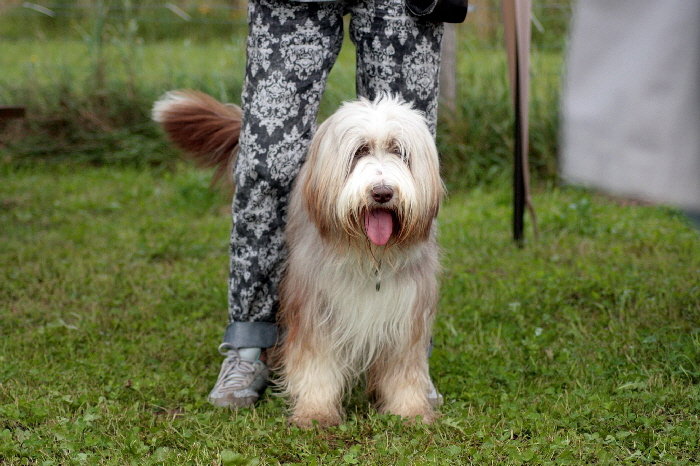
(89, 75)
(91, 102)
(95, 107)
(581, 348)
(147, 19)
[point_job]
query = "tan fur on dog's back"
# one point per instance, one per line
(204, 128)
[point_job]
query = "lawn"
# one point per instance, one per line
(583, 347)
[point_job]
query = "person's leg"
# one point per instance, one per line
(291, 48)
(397, 53)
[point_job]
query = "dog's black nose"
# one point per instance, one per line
(382, 194)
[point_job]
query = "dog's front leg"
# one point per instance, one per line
(401, 382)
(314, 384)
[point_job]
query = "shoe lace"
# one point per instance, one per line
(235, 371)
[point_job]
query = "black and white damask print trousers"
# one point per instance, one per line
(291, 48)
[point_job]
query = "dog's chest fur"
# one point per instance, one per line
(363, 301)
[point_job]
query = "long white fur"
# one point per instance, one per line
(348, 326)
(163, 105)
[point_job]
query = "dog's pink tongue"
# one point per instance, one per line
(379, 224)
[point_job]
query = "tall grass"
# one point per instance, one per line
(104, 118)
(89, 97)
(476, 143)
(153, 20)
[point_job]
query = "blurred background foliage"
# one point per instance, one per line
(88, 73)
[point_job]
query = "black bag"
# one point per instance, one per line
(443, 11)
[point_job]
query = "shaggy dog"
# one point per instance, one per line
(360, 289)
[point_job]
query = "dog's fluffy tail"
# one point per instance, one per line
(204, 127)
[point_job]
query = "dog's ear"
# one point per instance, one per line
(316, 183)
(436, 190)
(430, 190)
(431, 183)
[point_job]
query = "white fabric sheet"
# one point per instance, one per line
(631, 100)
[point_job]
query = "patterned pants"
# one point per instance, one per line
(290, 51)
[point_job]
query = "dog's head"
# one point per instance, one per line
(372, 174)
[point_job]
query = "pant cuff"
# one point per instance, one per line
(251, 334)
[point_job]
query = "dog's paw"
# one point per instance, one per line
(424, 414)
(428, 417)
(322, 420)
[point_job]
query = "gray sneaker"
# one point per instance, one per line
(240, 382)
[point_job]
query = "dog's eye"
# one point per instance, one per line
(396, 149)
(362, 151)
(399, 151)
